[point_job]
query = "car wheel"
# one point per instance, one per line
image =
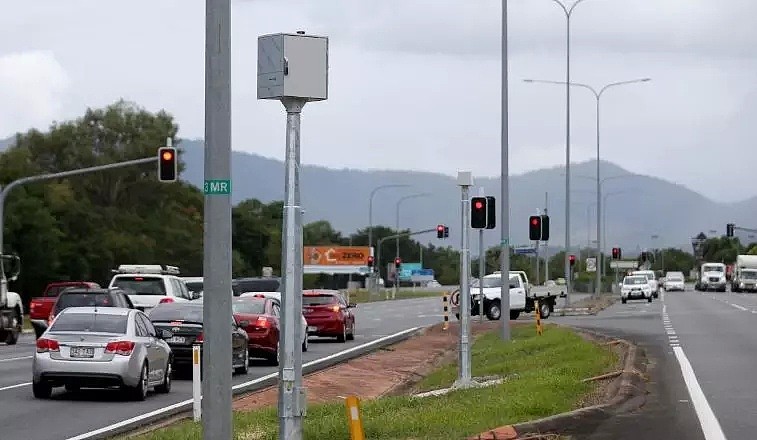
(305, 343)
(494, 311)
(16, 326)
(165, 387)
(42, 390)
(139, 392)
(343, 336)
(351, 334)
(245, 368)
(649, 299)
(514, 314)
(544, 310)
(623, 300)
(275, 359)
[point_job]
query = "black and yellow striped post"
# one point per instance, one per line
(445, 302)
(538, 318)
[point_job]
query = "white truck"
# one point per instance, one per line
(11, 307)
(523, 296)
(744, 278)
(711, 277)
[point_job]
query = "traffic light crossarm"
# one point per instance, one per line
(390, 237)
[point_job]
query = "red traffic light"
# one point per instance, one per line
(478, 205)
(398, 260)
(440, 228)
(167, 155)
(534, 221)
(572, 259)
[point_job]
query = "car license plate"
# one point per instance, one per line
(176, 340)
(312, 328)
(82, 352)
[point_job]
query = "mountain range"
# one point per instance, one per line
(638, 207)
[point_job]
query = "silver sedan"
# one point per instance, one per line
(102, 347)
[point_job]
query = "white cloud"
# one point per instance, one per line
(32, 90)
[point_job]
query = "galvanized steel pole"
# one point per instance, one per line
(217, 317)
(505, 184)
(464, 371)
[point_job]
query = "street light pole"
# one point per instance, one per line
(598, 97)
(397, 226)
(504, 179)
(370, 229)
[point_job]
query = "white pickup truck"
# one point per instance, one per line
(523, 296)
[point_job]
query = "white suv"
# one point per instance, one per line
(151, 284)
(653, 284)
(635, 287)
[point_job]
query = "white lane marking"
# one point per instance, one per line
(19, 385)
(16, 358)
(707, 420)
(739, 307)
(159, 411)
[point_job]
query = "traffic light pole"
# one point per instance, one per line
(481, 274)
(51, 176)
(380, 241)
(464, 378)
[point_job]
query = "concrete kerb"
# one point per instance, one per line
(629, 394)
(181, 411)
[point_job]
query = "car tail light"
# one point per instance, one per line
(199, 338)
(166, 300)
(44, 345)
(263, 322)
(124, 348)
(335, 308)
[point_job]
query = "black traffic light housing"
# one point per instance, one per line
(370, 261)
(440, 231)
(643, 256)
(168, 168)
(397, 262)
(478, 213)
(616, 253)
(544, 227)
(491, 212)
(534, 227)
(446, 232)
(729, 229)
(572, 259)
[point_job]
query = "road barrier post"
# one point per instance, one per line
(538, 318)
(354, 421)
(196, 383)
(445, 302)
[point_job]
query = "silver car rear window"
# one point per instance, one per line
(90, 322)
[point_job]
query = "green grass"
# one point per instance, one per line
(549, 368)
(364, 296)
(27, 323)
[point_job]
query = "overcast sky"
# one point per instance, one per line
(414, 84)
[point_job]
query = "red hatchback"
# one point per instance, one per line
(263, 329)
(328, 314)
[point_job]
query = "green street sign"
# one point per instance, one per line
(217, 187)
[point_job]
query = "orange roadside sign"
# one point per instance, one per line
(336, 255)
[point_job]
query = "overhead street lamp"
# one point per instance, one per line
(604, 218)
(598, 96)
(397, 223)
(370, 223)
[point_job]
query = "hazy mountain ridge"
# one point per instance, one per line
(638, 207)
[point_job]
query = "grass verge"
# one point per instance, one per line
(27, 323)
(364, 296)
(549, 370)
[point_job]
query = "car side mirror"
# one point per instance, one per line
(166, 334)
(244, 324)
(351, 305)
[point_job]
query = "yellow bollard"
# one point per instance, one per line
(538, 318)
(354, 421)
(445, 301)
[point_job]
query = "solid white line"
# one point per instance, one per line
(16, 358)
(707, 420)
(159, 411)
(15, 386)
(739, 307)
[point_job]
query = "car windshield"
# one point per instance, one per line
(319, 300)
(713, 269)
(675, 278)
(496, 281)
(252, 307)
(90, 322)
(749, 274)
(178, 312)
(141, 285)
(82, 299)
(635, 280)
(256, 285)
(194, 286)
(649, 275)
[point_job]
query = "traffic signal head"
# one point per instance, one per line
(545, 228)
(478, 213)
(370, 261)
(491, 212)
(446, 231)
(616, 253)
(397, 262)
(534, 227)
(440, 231)
(729, 230)
(643, 256)
(167, 164)
(572, 259)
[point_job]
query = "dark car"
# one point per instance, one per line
(184, 321)
(255, 284)
(89, 297)
(328, 314)
(262, 317)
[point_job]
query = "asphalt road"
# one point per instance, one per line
(711, 337)
(66, 415)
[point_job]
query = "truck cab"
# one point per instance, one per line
(40, 307)
(712, 277)
(744, 278)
